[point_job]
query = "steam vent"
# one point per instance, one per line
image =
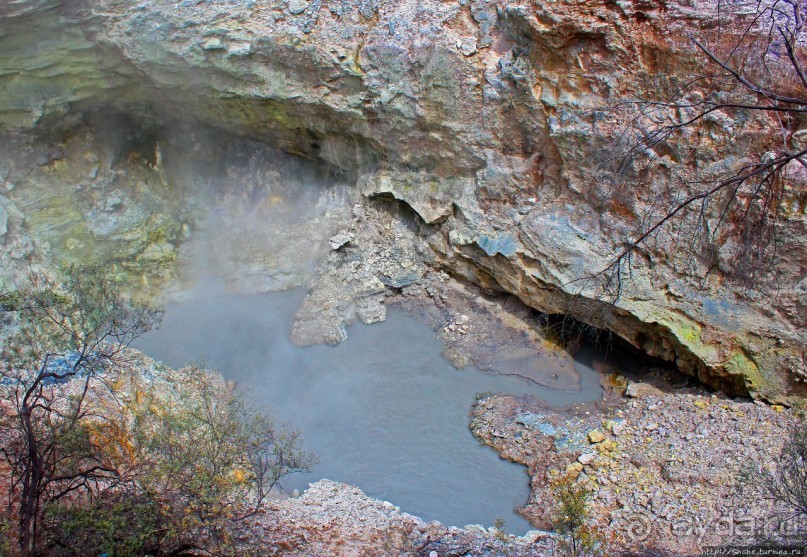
(403, 278)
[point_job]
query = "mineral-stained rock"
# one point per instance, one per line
(574, 470)
(596, 436)
(487, 119)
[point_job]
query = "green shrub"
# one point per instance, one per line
(579, 537)
(119, 525)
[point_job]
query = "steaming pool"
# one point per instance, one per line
(383, 410)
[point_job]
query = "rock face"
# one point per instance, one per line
(487, 119)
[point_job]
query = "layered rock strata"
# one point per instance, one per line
(488, 119)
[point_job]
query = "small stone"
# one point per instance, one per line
(573, 470)
(596, 436)
(461, 237)
(433, 554)
(641, 390)
(651, 426)
(615, 426)
(298, 6)
(213, 44)
(586, 458)
(606, 446)
(340, 240)
(113, 202)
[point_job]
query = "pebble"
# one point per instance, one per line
(586, 458)
(468, 48)
(596, 436)
(340, 240)
(298, 6)
(574, 469)
(615, 426)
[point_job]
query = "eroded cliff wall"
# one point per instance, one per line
(493, 121)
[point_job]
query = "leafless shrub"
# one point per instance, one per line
(751, 67)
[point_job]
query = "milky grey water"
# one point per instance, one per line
(382, 411)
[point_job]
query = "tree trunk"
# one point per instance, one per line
(30, 491)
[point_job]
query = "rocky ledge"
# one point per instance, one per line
(672, 469)
(331, 518)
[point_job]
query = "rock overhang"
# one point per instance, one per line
(396, 100)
